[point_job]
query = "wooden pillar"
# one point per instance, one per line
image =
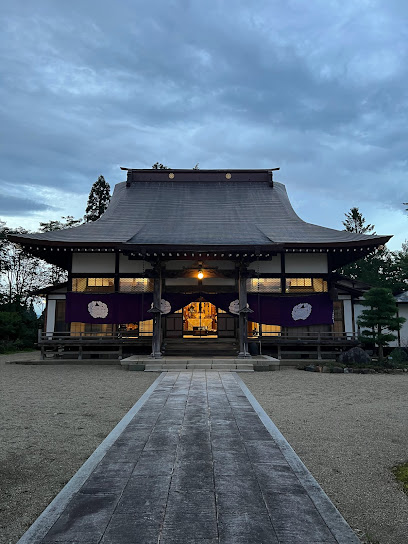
(156, 311)
(243, 313)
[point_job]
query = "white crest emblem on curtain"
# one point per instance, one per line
(165, 306)
(301, 311)
(234, 307)
(98, 309)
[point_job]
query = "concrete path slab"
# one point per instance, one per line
(196, 460)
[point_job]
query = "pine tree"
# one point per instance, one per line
(379, 319)
(355, 222)
(98, 200)
(160, 166)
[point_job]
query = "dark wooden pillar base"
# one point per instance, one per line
(156, 311)
(243, 314)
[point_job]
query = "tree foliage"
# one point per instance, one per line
(355, 222)
(55, 273)
(66, 223)
(379, 318)
(382, 268)
(98, 200)
(18, 326)
(20, 273)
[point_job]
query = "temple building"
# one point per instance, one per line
(210, 258)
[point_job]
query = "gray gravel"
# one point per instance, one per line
(349, 430)
(51, 419)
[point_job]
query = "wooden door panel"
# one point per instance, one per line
(225, 326)
(174, 326)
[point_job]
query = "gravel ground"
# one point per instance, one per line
(51, 419)
(349, 430)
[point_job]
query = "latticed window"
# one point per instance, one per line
(91, 329)
(135, 285)
(146, 328)
(93, 285)
(254, 330)
(77, 328)
(306, 285)
(264, 285)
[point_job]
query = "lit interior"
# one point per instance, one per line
(200, 319)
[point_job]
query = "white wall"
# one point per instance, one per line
(358, 308)
(179, 282)
(403, 312)
(50, 325)
(127, 266)
(219, 281)
(92, 263)
(315, 263)
(347, 314)
(267, 267)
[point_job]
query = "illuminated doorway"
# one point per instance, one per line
(200, 320)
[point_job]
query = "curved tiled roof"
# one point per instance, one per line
(198, 213)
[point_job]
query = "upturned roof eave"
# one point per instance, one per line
(120, 245)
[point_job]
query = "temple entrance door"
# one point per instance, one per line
(200, 320)
(226, 325)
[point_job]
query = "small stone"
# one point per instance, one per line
(310, 368)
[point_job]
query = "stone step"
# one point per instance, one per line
(178, 364)
(179, 367)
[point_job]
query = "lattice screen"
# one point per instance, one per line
(264, 285)
(93, 285)
(146, 328)
(136, 285)
(306, 285)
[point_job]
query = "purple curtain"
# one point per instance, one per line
(112, 308)
(286, 311)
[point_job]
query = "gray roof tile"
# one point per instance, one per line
(199, 213)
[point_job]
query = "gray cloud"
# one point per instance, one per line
(12, 205)
(317, 88)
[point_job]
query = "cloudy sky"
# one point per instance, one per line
(318, 88)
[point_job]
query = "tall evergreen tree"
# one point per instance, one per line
(379, 319)
(160, 166)
(355, 222)
(98, 200)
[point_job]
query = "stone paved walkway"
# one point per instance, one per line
(195, 465)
